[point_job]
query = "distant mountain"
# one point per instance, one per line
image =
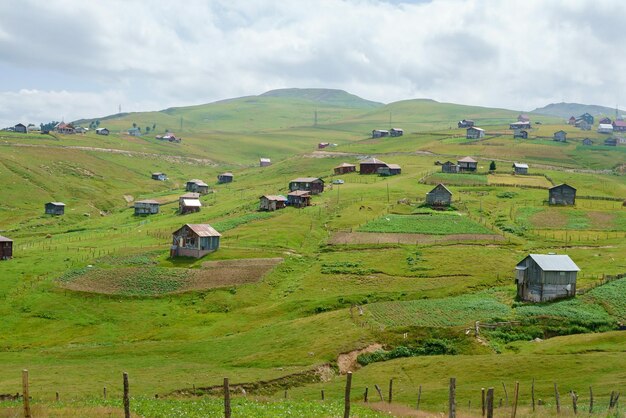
(325, 96)
(565, 110)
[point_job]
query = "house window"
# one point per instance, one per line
(562, 273)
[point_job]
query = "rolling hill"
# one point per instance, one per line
(565, 110)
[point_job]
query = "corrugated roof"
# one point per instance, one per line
(301, 193)
(306, 180)
(201, 183)
(226, 174)
(440, 185)
(192, 203)
(56, 203)
(265, 160)
(345, 165)
(394, 166)
(204, 230)
(467, 160)
(5, 239)
(554, 262)
(520, 165)
(562, 185)
(619, 123)
(475, 128)
(372, 161)
(191, 195)
(605, 126)
(148, 201)
(278, 198)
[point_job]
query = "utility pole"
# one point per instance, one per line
(389, 120)
(119, 108)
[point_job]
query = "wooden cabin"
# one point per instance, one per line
(519, 125)
(605, 128)
(465, 123)
(194, 240)
(474, 133)
(265, 162)
(587, 141)
(312, 185)
(146, 207)
(55, 208)
(345, 168)
(371, 165)
(102, 131)
(439, 197)
(563, 194)
(189, 203)
(395, 132)
(389, 170)
(299, 199)
(159, 176)
(523, 118)
(520, 168)
(605, 120)
(272, 202)
(571, 120)
(611, 142)
(560, 136)
(467, 164)
(379, 133)
(619, 126)
(545, 277)
(20, 128)
(225, 178)
(6, 248)
(197, 186)
(323, 145)
(449, 167)
(520, 134)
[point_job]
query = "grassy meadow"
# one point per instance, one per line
(93, 293)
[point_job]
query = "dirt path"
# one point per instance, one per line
(380, 238)
(347, 361)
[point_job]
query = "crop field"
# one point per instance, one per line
(572, 219)
(460, 179)
(435, 224)
(518, 180)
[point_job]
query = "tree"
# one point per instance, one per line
(492, 166)
(97, 123)
(134, 125)
(147, 129)
(153, 126)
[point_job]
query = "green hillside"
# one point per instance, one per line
(94, 292)
(565, 110)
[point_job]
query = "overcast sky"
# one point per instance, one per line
(75, 59)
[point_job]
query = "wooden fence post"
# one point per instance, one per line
(419, 397)
(380, 393)
(57, 398)
(490, 403)
(365, 394)
(558, 401)
(506, 394)
(515, 396)
(322, 394)
(390, 390)
(104, 393)
(126, 396)
(532, 394)
(482, 400)
(346, 409)
(452, 398)
(26, 394)
(226, 399)
(590, 400)
(574, 402)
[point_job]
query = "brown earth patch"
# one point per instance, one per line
(389, 238)
(601, 220)
(347, 361)
(552, 219)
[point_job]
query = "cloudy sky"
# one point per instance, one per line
(69, 59)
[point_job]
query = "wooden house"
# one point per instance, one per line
(606, 120)
(396, 132)
(587, 141)
(560, 136)
(20, 128)
(312, 185)
(64, 128)
(519, 125)
(146, 207)
(583, 125)
(449, 167)
(194, 240)
(371, 165)
(379, 133)
(389, 170)
(265, 162)
(619, 126)
(587, 118)
(520, 168)
(610, 142)
(197, 186)
(189, 203)
(467, 164)
(299, 199)
(545, 277)
(465, 123)
(55, 208)
(225, 178)
(159, 176)
(519, 133)
(563, 194)
(571, 121)
(323, 145)
(523, 118)
(272, 202)
(102, 131)
(134, 131)
(605, 128)
(81, 130)
(475, 133)
(345, 168)
(6, 248)
(440, 196)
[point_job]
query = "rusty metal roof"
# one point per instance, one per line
(372, 161)
(203, 230)
(394, 166)
(300, 193)
(5, 239)
(148, 201)
(306, 180)
(467, 160)
(191, 195)
(278, 198)
(345, 165)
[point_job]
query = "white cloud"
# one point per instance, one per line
(516, 54)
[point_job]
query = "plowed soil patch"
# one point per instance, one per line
(399, 238)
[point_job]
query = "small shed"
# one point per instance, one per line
(20, 128)
(474, 133)
(389, 170)
(189, 203)
(571, 121)
(545, 277)
(102, 131)
(197, 186)
(523, 118)
(587, 118)
(55, 208)
(587, 141)
(440, 196)
(159, 176)
(65, 128)
(313, 185)
(560, 136)
(520, 133)
(194, 240)
(583, 125)
(465, 123)
(345, 168)
(606, 120)
(371, 165)
(379, 133)
(449, 167)
(519, 125)
(299, 199)
(272, 202)
(225, 178)
(6, 248)
(611, 142)
(396, 132)
(146, 207)
(265, 162)
(520, 168)
(134, 131)
(605, 128)
(467, 164)
(323, 145)
(563, 194)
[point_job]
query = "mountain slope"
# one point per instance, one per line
(565, 110)
(325, 96)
